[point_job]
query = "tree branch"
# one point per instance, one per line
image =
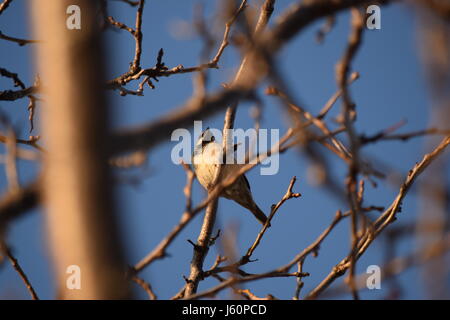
(21, 273)
(383, 221)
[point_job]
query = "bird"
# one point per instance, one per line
(206, 162)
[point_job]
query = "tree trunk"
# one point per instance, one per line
(80, 214)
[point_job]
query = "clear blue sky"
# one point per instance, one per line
(391, 88)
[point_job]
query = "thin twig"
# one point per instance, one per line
(250, 296)
(385, 136)
(32, 141)
(234, 267)
(386, 218)
(120, 25)
(135, 66)
(330, 103)
(398, 265)
(342, 71)
(226, 34)
(291, 23)
(19, 41)
(11, 95)
(4, 5)
(21, 273)
(146, 286)
(283, 270)
(288, 195)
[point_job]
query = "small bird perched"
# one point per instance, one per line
(206, 162)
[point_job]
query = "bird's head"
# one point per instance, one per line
(203, 140)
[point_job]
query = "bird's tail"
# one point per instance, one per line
(253, 207)
(259, 214)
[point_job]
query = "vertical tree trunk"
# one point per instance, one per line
(80, 214)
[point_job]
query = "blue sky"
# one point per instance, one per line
(391, 89)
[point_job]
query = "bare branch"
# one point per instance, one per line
(292, 22)
(383, 221)
(146, 286)
(4, 5)
(21, 273)
(201, 249)
(11, 95)
(398, 265)
(342, 71)
(226, 34)
(20, 42)
(234, 267)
